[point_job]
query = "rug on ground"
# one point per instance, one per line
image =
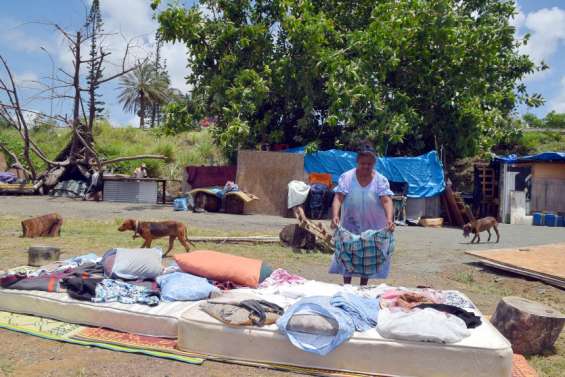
(160, 347)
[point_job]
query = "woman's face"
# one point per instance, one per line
(365, 164)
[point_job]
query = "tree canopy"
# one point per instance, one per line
(408, 75)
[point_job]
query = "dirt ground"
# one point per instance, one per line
(431, 257)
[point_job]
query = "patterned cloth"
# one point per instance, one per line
(362, 208)
(281, 276)
(109, 290)
(365, 254)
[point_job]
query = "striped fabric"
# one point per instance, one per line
(363, 253)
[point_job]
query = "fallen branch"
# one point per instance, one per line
(139, 157)
(17, 162)
(251, 239)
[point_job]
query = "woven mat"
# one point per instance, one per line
(66, 332)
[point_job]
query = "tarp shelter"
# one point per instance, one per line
(541, 177)
(424, 174)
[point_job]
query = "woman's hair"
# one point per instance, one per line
(365, 148)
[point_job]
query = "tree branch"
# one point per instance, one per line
(17, 162)
(139, 157)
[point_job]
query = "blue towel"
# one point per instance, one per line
(316, 343)
(363, 311)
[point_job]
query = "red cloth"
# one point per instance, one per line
(209, 176)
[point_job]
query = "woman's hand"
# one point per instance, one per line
(335, 222)
(390, 226)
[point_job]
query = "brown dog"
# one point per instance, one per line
(481, 225)
(43, 226)
(150, 230)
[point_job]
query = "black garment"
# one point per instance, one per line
(470, 319)
(258, 309)
(81, 289)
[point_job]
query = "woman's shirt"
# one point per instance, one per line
(362, 209)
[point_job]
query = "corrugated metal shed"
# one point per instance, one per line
(130, 191)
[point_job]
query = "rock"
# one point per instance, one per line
(296, 237)
(530, 326)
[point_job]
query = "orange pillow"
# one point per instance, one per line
(221, 267)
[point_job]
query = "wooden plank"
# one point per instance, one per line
(545, 260)
(556, 282)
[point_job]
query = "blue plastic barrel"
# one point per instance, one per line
(550, 219)
(538, 218)
(560, 220)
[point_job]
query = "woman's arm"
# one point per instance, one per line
(336, 207)
(386, 201)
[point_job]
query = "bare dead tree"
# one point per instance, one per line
(80, 153)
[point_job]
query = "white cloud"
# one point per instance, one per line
(558, 103)
(15, 36)
(175, 55)
(132, 19)
(25, 78)
(518, 19)
(547, 29)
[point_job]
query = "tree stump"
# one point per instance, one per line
(531, 327)
(41, 255)
(296, 237)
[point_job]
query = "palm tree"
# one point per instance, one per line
(141, 88)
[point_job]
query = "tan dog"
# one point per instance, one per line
(481, 225)
(43, 226)
(150, 230)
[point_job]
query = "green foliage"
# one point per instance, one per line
(408, 75)
(178, 118)
(551, 120)
(554, 120)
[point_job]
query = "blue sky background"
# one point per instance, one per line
(25, 29)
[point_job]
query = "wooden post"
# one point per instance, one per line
(531, 327)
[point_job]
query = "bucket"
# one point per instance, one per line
(38, 256)
(538, 218)
(550, 219)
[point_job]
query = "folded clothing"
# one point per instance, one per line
(109, 290)
(407, 299)
(363, 311)
(180, 286)
(132, 264)
(218, 266)
(470, 319)
(242, 312)
(426, 325)
(320, 342)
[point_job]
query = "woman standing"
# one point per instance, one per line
(362, 202)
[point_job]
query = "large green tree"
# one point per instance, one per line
(409, 75)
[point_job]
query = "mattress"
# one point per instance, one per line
(159, 321)
(486, 353)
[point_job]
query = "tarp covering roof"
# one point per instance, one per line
(424, 174)
(545, 156)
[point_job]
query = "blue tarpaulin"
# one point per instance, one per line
(545, 156)
(424, 174)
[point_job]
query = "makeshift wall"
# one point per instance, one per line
(548, 185)
(423, 207)
(266, 174)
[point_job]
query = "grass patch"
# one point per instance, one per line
(465, 277)
(187, 148)
(85, 236)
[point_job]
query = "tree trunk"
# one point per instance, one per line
(531, 327)
(76, 103)
(141, 109)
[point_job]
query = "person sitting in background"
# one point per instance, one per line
(140, 172)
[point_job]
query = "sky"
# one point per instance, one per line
(34, 49)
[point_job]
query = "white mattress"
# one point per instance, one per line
(486, 353)
(159, 321)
